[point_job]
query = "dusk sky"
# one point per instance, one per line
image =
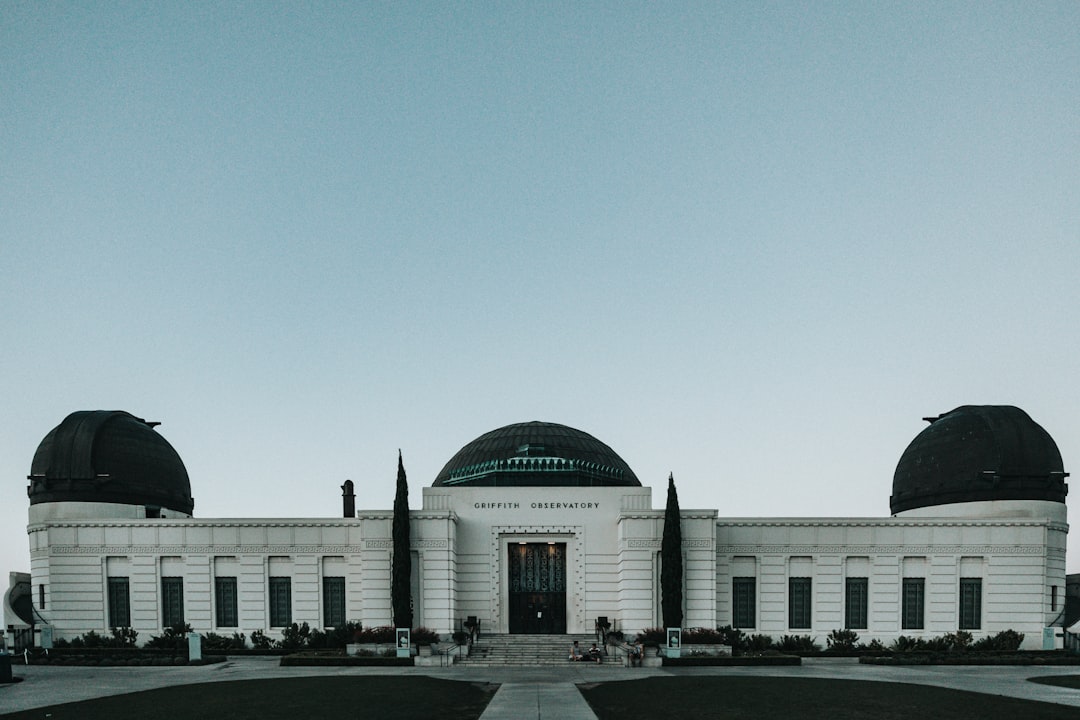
(750, 244)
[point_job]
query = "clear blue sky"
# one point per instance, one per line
(750, 244)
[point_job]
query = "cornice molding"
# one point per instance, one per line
(880, 549)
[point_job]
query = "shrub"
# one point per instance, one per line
(874, 645)
(259, 641)
(937, 644)
(735, 638)
(317, 639)
(1004, 641)
(959, 641)
(842, 640)
(382, 634)
(798, 643)
(759, 643)
(423, 636)
(702, 636)
(908, 644)
(460, 637)
(124, 637)
(295, 636)
(88, 640)
(652, 637)
(173, 638)
(213, 641)
(341, 636)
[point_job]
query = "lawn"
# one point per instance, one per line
(382, 697)
(674, 698)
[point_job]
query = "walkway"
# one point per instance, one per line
(542, 701)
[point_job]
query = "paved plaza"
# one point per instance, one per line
(526, 692)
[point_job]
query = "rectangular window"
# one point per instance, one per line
(225, 602)
(856, 601)
(912, 603)
(799, 602)
(743, 602)
(119, 602)
(172, 601)
(333, 601)
(970, 603)
(280, 601)
(1053, 597)
(41, 596)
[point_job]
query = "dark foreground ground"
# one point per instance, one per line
(670, 698)
(675, 698)
(304, 698)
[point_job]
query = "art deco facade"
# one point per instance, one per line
(537, 527)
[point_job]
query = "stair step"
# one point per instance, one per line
(529, 650)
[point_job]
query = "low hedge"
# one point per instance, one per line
(302, 660)
(724, 660)
(1031, 657)
(114, 657)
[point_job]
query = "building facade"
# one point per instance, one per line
(540, 528)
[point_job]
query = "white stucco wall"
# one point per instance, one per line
(460, 540)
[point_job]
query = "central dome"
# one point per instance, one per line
(536, 454)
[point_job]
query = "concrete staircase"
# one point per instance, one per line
(530, 650)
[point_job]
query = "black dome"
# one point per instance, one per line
(536, 454)
(109, 456)
(979, 452)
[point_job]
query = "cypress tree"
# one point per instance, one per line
(671, 560)
(401, 562)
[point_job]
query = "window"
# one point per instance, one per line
(225, 602)
(799, 602)
(119, 602)
(742, 600)
(1053, 597)
(912, 602)
(172, 601)
(970, 603)
(41, 596)
(333, 601)
(856, 601)
(280, 601)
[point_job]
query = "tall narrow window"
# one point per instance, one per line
(119, 602)
(333, 601)
(856, 601)
(1053, 597)
(743, 602)
(172, 601)
(41, 596)
(912, 603)
(225, 602)
(799, 602)
(280, 601)
(970, 603)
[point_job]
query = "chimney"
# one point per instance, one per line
(348, 500)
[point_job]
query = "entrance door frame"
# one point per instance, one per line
(503, 536)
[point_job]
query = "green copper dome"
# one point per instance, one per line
(536, 454)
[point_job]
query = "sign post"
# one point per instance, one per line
(403, 643)
(674, 643)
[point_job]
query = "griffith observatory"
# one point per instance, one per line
(540, 528)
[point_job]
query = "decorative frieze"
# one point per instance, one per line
(198, 549)
(883, 549)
